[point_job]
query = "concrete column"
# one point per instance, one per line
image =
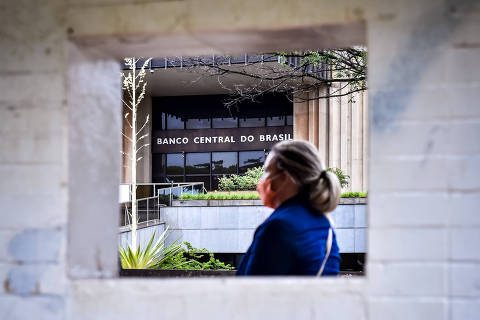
(313, 117)
(366, 138)
(300, 120)
(334, 142)
(323, 125)
(357, 142)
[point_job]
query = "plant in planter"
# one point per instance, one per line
(249, 180)
(150, 257)
(246, 182)
(342, 177)
(190, 258)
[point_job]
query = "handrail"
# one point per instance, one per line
(125, 189)
(152, 204)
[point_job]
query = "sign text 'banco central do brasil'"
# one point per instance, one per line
(231, 139)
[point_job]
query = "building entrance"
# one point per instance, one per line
(197, 139)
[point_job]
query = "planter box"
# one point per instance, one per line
(176, 273)
(215, 203)
(227, 226)
(236, 203)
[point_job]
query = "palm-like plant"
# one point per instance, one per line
(152, 256)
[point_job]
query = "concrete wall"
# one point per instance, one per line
(338, 128)
(230, 229)
(60, 165)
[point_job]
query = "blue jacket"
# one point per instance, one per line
(292, 241)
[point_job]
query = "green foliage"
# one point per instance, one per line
(354, 195)
(250, 180)
(249, 196)
(190, 258)
(245, 182)
(152, 256)
(342, 177)
(220, 196)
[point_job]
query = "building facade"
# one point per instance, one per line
(195, 138)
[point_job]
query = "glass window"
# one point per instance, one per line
(198, 163)
(174, 164)
(252, 122)
(174, 179)
(198, 123)
(224, 122)
(290, 120)
(215, 179)
(204, 179)
(224, 162)
(250, 159)
(158, 165)
(174, 122)
(276, 121)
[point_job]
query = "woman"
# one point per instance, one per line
(297, 237)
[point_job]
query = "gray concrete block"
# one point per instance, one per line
(343, 216)
(228, 217)
(170, 216)
(247, 217)
(209, 217)
(220, 240)
(245, 238)
(25, 279)
(37, 245)
(346, 240)
(360, 240)
(360, 216)
(51, 307)
(189, 218)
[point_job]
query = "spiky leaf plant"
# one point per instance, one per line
(150, 257)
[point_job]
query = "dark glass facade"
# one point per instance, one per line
(208, 112)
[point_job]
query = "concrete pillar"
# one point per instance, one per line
(358, 134)
(313, 117)
(334, 142)
(300, 119)
(323, 125)
(345, 134)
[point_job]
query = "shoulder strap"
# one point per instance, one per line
(327, 251)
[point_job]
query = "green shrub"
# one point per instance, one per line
(246, 182)
(190, 258)
(150, 257)
(354, 195)
(342, 177)
(220, 196)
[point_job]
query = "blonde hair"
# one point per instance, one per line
(301, 160)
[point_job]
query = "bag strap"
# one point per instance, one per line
(327, 251)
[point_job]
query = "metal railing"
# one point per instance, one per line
(175, 192)
(148, 208)
(147, 190)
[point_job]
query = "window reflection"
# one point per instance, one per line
(198, 123)
(174, 164)
(224, 123)
(204, 179)
(224, 162)
(198, 163)
(252, 122)
(275, 121)
(290, 120)
(174, 122)
(250, 159)
(158, 165)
